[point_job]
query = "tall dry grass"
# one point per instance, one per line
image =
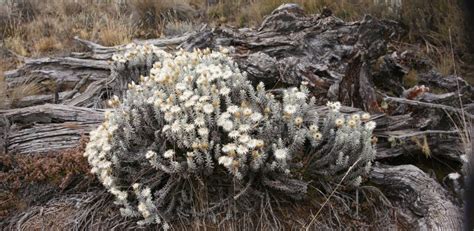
(427, 21)
(38, 28)
(3, 92)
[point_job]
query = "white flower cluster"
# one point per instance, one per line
(196, 111)
(135, 54)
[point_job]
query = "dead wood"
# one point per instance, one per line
(424, 204)
(47, 128)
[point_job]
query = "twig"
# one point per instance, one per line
(417, 133)
(242, 192)
(429, 105)
(332, 193)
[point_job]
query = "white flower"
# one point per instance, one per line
(229, 147)
(247, 111)
(122, 196)
(200, 121)
(244, 128)
(228, 125)
(208, 108)
(370, 125)
(224, 50)
(224, 91)
(108, 181)
(168, 116)
(256, 116)
(106, 147)
(225, 160)
(143, 209)
(281, 154)
(186, 95)
(233, 109)
(194, 98)
(241, 149)
(225, 115)
(313, 127)
(234, 134)
(300, 95)
(168, 154)
(180, 86)
(298, 121)
(166, 128)
(365, 117)
(252, 143)
(190, 154)
(352, 123)
(334, 106)
(146, 192)
(355, 117)
(189, 103)
(165, 107)
(454, 176)
(290, 109)
(203, 132)
(317, 136)
(150, 154)
(339, 122)
(189, 127)
(175, 109)
(204, 98)
(175, 127)
(244, 138)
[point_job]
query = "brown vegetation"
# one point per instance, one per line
(28, 178)
(40, 28)
(26, 23)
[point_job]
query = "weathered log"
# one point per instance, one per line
(90, 97)
(46, 128)
(105, 53)
(52, 113)
(67, 69)
(424, 204)
(42, 99)
(45, 138)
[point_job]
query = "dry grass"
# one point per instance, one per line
(16, 45)
(31, 27)
(115, 32)
(28, 88)
(39, 28)
(47, 45)
(152, 16)
(3, 92)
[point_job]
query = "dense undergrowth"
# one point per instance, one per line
(31, 179)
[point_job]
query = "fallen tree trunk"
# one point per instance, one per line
(48, 138)
(423, 203)
(47, 128)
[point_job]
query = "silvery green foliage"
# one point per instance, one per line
(137, 60)
(196, 116)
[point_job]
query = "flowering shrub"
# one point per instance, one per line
(196, 117)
